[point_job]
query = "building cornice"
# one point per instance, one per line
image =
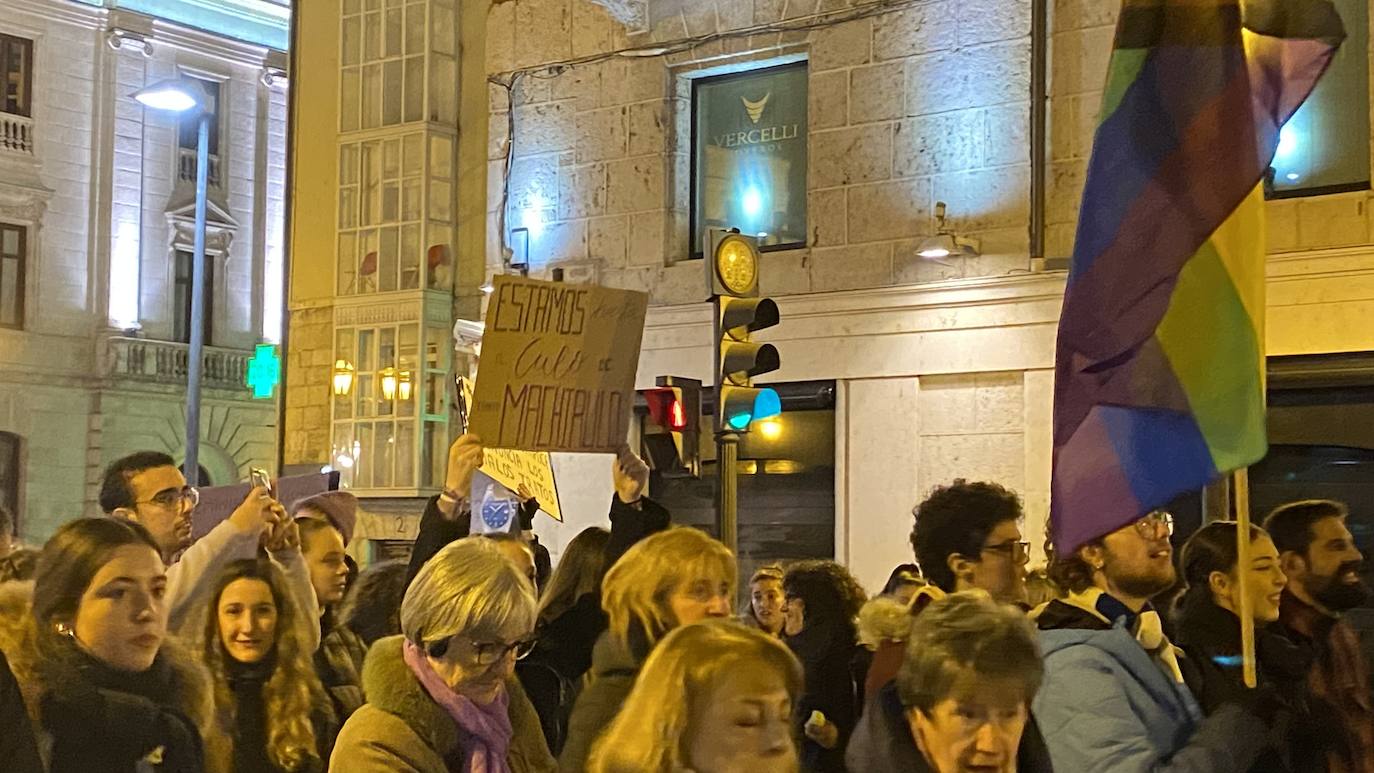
(74, 13)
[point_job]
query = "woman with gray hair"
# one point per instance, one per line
(962, 698)
(442, 696)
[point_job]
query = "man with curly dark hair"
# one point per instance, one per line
(967, 536)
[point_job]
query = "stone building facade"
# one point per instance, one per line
(99, 195)
(575, 149)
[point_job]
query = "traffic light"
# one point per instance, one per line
(739, 313)
(672, 437)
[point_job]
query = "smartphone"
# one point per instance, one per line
(260, 479)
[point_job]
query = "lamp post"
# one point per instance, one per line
(181, 97)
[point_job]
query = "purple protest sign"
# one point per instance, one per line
(218, 502)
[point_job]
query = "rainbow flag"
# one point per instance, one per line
(1159, 369)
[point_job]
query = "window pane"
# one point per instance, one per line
(9, 241)
(410, 200)
(352, 40)
(394, 25)
(386, 348)
(372, 96)
(9, 292)
(443, 29)
(372, 37)
(751, 154)
(392, 91)
(348, 101)
(1326, 143)
(414, 151)
(408, 348)
(391, 204)
(410, 257)
(386, 453)
(365, 358)
(386, 271)
(342, 455)
(405, 454)
(415, 89)
(415, 29)
(348, 207)
(367, 265)
(440, 204)
(348, 165)
(366, 404)
(365, 461)
(348, 262)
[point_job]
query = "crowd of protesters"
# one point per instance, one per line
(127, 646)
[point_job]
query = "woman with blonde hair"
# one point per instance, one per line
(714, 697)
(268, 700)
(674, 578)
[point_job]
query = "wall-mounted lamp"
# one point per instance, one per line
(343, 377)
(945, 242)
(390, 378)
(403, 386)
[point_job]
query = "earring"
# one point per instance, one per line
(66, 630)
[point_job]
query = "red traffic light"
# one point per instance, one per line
(666, 408)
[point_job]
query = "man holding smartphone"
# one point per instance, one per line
(147, 487)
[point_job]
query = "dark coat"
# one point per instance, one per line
(882, 741)
(826, 653)
(339, 664)
(613, 673)
(18, 748)
(1210, 636)
(250, 722)
(401, 728)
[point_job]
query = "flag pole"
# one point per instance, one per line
(1247, 604)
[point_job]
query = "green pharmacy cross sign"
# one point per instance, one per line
(264, 371)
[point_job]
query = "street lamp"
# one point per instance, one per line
(186, 98)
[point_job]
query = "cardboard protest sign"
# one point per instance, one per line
(218, 502)
(533, 469)
(558, 366)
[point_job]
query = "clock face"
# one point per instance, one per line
(735, 265)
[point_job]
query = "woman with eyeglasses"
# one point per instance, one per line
(105, 688)
(442, 696)
(269, 703)
(821, 601)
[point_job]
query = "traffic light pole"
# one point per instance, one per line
(727, 462)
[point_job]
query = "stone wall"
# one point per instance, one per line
(309, 367)
(907, 108)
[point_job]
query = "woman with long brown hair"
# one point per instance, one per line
(105, 688)
(268, 699)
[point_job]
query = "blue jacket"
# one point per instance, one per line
(1107, 706)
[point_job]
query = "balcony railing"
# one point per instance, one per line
(16, 134)
(165, 362)
(186, 167)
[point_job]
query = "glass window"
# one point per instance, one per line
(380, 215)
(16, 63)
(749, 155)
(181, 298)
(9, 474)
(1324, 147)
(376, 425)
(187, 127)
(12, 252)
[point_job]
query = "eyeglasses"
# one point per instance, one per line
(486, 653)
(173, 497)
(1150, 525)
(1016, 551)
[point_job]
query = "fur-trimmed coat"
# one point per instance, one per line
(127, 731)
(401, 728)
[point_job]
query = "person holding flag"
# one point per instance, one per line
(1159, 373)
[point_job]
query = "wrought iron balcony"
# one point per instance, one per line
(186, 167)
(16, 134)
(165, 362)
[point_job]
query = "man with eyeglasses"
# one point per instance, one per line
(1113, 696)
(147, 487)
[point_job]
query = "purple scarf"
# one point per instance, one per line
(484, 731)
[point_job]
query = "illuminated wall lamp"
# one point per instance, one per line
(389, 381)
(343, 377)
(403, 387)
(945, 242)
